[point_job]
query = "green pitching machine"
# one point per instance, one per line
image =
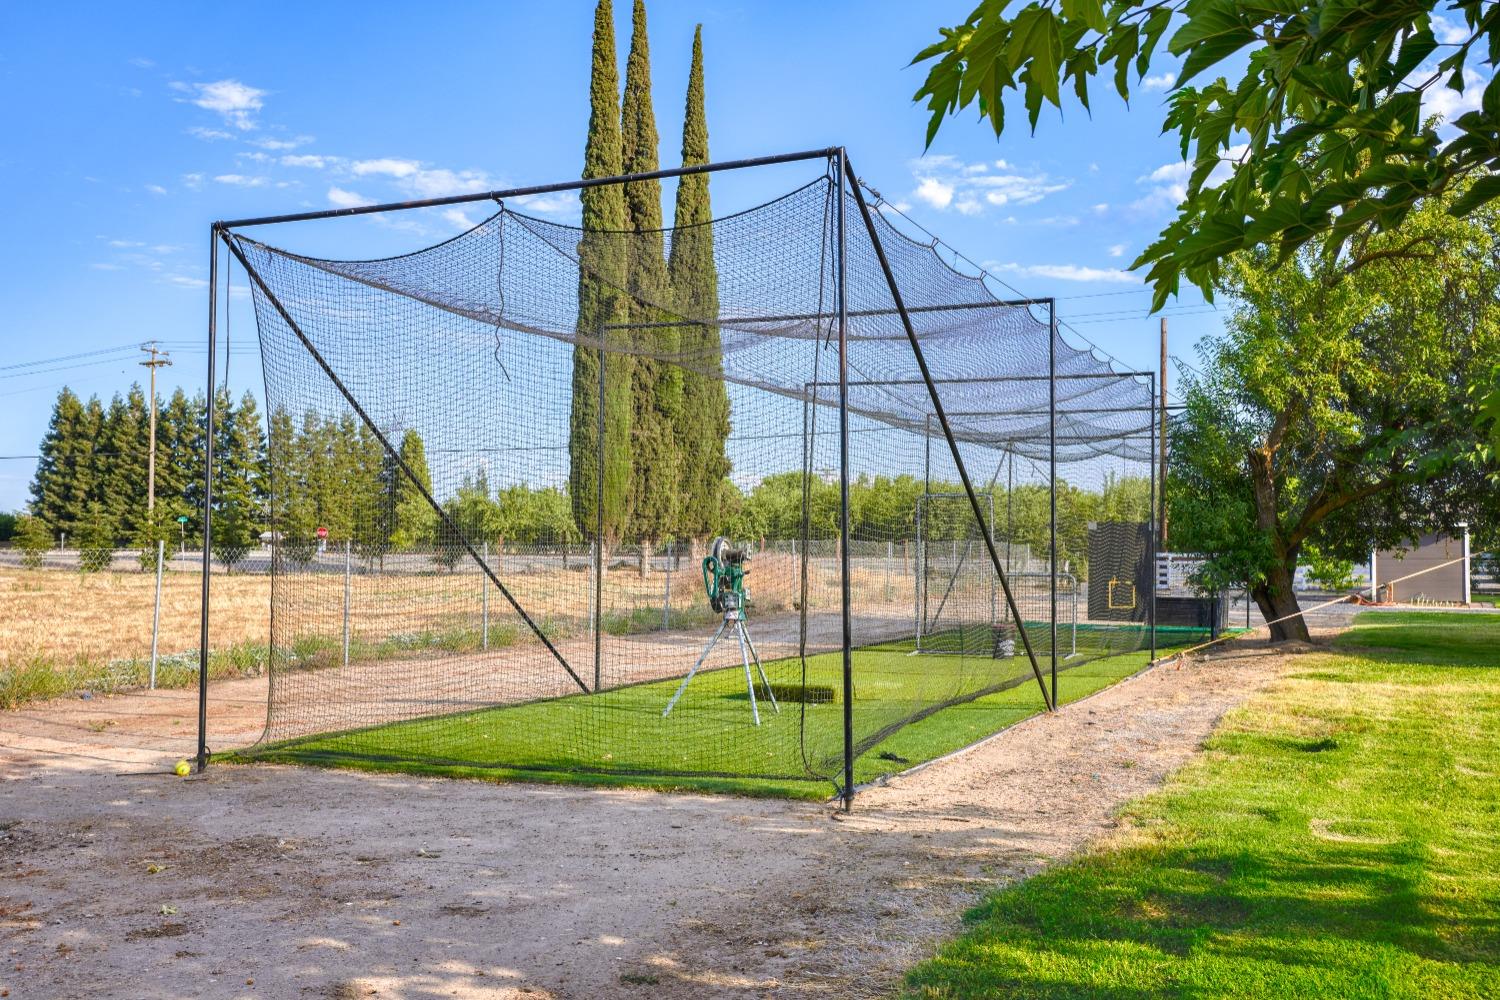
(724, 571)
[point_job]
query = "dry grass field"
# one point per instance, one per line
(69, 616)
(67, 630)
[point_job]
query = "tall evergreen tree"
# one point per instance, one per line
(413, 517)
(239, 464)
(657, 386)
(703, 426)
(64, 480)
(601, 283)
(120, 466)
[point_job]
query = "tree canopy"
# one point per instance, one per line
(1318, 114)
(1339, 411)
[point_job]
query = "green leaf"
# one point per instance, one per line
(1482, 191)
(1090, 12)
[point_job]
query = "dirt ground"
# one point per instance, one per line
(120, 880)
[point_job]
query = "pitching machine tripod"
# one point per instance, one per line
(724, 579)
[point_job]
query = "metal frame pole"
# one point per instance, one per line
(348, 575)
(161, 547)
(842, 166)
(599, 529)
(1151, 607)
(1052, 478)
(576, 185)
(937, 406)
(208, 497)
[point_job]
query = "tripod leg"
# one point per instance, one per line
(683, 686)
(756, 656)
(739, 633)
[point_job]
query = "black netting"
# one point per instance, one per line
(491, 507)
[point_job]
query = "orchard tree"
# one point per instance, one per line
(1338, 412)
(1319, 114)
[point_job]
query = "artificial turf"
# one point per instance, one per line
(709, 742)
(1337, 839)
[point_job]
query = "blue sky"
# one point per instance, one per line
(133, 127)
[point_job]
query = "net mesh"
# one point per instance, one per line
(491, 506)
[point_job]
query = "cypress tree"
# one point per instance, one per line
(601, 284)
(704, 424)
(657, 387)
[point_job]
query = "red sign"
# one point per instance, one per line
(322, 532)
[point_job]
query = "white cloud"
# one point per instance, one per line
(1440, 99)
(194, 181)
(945, 182)
(1168, 182)
(240, 180)
(1449, 32)
(550, 204)
(386, 167)
(310, 160)
(156, 189)
(934, 192)
(457, 219)
(253, 157)
(1118, 250)
(141, 62)
(340, 198)
(1068, 272)
(274, 145)
(1101, 208)
(185, 281)
(124, 244)
(1162, 82)
(209, 134)
(105, 266)
(236, 102)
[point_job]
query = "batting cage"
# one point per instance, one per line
(742, 498)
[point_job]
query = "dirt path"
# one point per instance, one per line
(283, 882)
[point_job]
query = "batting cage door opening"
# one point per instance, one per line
(735, 500)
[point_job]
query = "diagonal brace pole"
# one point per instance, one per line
(937, 407)
(396, 456)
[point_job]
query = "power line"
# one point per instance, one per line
(69, 357)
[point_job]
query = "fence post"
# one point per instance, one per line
(484, 598)
(890, 552)
(348, 571)
(156, 612)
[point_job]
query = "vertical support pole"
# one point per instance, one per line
(1162, 423)
(208, 496)
(1468, 577)
(484, 598)
(599, 528)
(348, 574)
(161, 548)
(1151, 608)
(848, 628)
(1052, 478)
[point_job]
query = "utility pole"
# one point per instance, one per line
(158, 359)
(1163, 408)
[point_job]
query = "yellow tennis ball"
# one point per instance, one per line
(183, 769)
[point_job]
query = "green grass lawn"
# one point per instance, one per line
(1340, 837)
(709, 742)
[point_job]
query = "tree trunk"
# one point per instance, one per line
(1276, 600)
